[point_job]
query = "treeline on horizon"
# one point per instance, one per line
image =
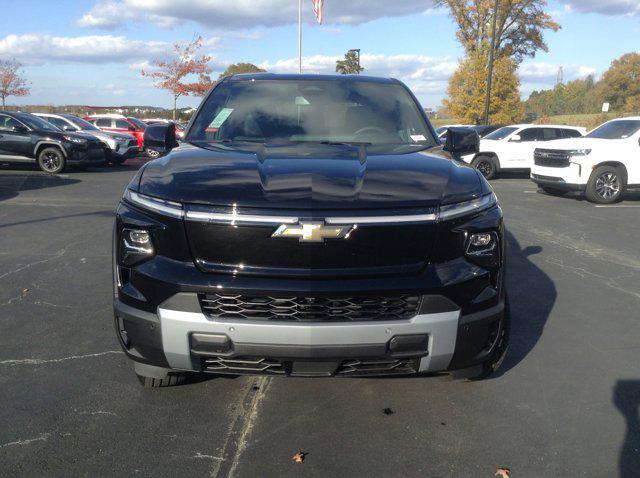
(619, 86)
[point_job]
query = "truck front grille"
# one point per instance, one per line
(551, 158)
(309, 309)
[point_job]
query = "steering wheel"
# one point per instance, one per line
(371, 129)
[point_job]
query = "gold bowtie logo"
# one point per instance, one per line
(312, 231)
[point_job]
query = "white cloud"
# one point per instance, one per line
(605, 7)
(109, 16)
(35, 48)
(546, 73)
(426, 76)
(223, 14)
(404, 67)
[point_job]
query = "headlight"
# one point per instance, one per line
(161, 206)
(451, 211)
(135, 247)
(73, 139)
(580, 152)
(483, 249)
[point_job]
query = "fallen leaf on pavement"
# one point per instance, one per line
(24, 292)
(299, 457)
(503, 472)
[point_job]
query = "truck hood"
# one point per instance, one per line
(309, 176)
(580, 143)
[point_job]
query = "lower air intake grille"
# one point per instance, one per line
(240, 365)
(378, 367)
(309, 309)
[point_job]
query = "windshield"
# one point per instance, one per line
(620, 129)
(138, 123)
(37, 123)
(80, 123)
(340, 111)
(501, 133)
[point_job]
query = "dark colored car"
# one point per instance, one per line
(484, 130)
(119, 146)
(27, 138)
(309, 226)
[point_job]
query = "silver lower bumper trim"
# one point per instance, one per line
(177, 327)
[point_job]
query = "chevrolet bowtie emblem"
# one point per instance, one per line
(312, 231)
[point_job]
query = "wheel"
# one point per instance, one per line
(606, 185)
(51, 160)
(170, 381)
(151, 376)
(552, 191)
(487, 368)
(486, 165)
(152, 153)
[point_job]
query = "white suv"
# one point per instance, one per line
(603, 164)
(512, 147)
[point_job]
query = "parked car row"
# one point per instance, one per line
(54, 141)
(603, 163)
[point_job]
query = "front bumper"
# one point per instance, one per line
(180, 337)
(569, 178)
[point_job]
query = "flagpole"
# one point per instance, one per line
(300, 35)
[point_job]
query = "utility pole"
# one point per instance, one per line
(560, 78)
(490, 73)
(357, 51)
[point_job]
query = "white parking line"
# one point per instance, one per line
(638, 205)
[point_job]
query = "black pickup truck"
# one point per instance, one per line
(26, 138)
(309, 226)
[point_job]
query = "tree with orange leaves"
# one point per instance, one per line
(12, 83)
(173, 75)
(520, 25)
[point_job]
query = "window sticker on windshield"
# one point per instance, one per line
(301, 101)
(221, 117)
(418, 137)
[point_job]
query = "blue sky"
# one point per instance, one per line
(91, 52)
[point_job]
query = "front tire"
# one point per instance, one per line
(51, 160)
(486, 165)
(606, 185)
(151, 376)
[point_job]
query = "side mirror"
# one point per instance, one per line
(516, 138)
(461, 142)
(68, 128)
(160, 138)
(20, 129)
(131, 128)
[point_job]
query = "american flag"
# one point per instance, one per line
(317, 9)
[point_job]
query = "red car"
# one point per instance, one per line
(120, 124)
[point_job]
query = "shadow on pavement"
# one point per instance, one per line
(532, 295)
(626, 397)
(14, 182)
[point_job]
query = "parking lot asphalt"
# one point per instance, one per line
(565, 402)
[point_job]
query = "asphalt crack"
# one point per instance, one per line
(241, 428)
